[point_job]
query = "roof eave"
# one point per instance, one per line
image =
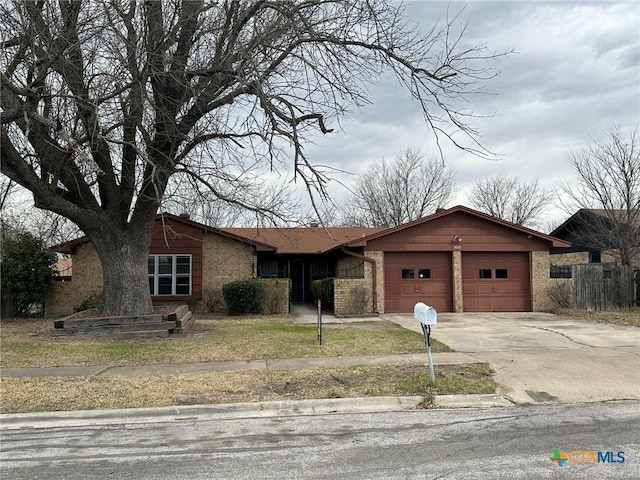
(558, 243)
(70, 246)
(459, 208)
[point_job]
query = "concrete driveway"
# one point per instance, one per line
(543, 358)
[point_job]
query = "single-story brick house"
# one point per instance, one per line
(455, 260)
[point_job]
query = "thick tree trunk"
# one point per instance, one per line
(125, 277)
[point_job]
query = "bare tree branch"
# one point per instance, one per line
(608, 185)
(396, 192)
(512, 199)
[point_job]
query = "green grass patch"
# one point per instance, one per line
(451, 379)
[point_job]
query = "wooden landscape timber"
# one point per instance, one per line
(176, 322)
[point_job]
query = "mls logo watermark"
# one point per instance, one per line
(587, 456)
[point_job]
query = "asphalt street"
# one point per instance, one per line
(513, 443)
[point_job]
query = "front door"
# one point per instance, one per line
(296, 274)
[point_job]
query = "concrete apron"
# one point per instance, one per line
(543, 358)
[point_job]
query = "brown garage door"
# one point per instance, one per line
(410, 278)
(496, 282)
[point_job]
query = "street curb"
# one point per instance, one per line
(473, 401)
(227, 411)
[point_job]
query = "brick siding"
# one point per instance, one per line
(578, 258)
(570, 258)
(85, 283)
(540, 281)
(456, 268)
(225, 260)
(343, 298)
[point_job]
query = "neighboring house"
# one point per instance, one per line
(455, 260)
(596, 238)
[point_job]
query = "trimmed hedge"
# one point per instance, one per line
(323, 290)
(243, 297)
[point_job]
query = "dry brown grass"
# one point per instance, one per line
(629, 318)
(74, 393)
(28, 343)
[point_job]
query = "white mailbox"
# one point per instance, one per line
(425, 314)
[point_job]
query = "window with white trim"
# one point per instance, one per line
(170, 274)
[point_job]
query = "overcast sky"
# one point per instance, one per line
(575, 73)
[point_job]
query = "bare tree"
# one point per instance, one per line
(6, 187)
(18, 215)
(608, 184)
(105, 102)
(51, 228)
(512, 199)
(205, 206)
(327, 214)
(392, 193)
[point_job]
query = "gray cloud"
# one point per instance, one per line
(575, 74)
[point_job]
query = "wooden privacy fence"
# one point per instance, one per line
(601, 287)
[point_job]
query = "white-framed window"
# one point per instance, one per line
(170, 274)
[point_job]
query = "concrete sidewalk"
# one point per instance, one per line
(445, 358)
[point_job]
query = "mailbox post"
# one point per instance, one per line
(427, 316)
(319, 322)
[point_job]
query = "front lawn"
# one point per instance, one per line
(28, 343)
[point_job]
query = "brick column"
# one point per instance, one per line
(456, 268)
(378, 256)
(540, 281)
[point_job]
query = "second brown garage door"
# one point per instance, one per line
(414, 277)
(496, 282)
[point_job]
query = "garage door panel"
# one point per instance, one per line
(428, 287)
(485, 287)
(407, 288)
(440, 289)
(504, 288)
(440, 304)
(422, 288)
(431, 283)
